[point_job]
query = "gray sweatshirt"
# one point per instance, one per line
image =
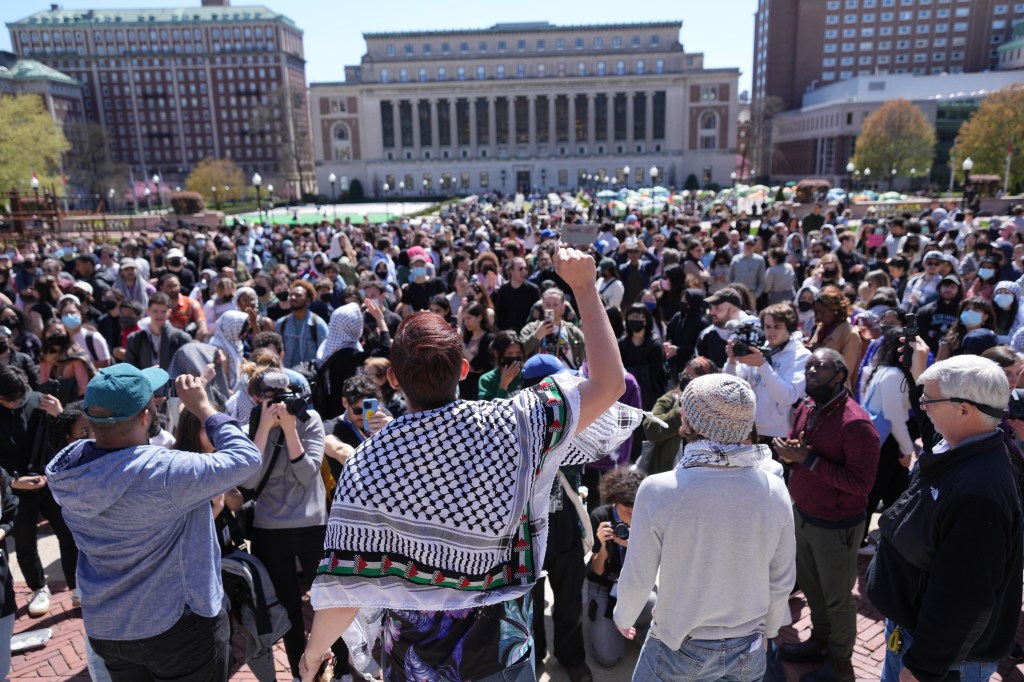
(295, 496)
(723, 539)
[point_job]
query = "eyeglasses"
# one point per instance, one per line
(925, 402)
(932, 262)
(357, 409)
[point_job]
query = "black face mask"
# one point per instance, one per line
(59, 340)
(822, 394)
(108, 304)
(634, 326)
(326, 298)
(4, 347)
(127, 322)
(260, 290)
(829, 274)
(805, 306)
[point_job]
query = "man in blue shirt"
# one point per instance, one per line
(149, 562)
(302, 330)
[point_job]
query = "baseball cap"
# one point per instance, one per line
(83, 286)
(933, 255)
(540, 366)
(726, 295)
(950, 278)
(122, 389)
(175, 253)
(129, 263)
(978, 341)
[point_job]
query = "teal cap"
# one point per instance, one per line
(123, 389)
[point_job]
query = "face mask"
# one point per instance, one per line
(59, 340)
(326, 298)
(260, 290)
(821, 394)
(72, 321)
(634, 326)
(986, 273)
(4, 347)
(127, 322)
(666, 285)
(418, 272)
(200, 243)
(970, 318)
(829, 274)
(1004, 301)
(29, 298)
(108, 304)
(805, 306)
(650, 305)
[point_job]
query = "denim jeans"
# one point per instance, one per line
(970, 671)
(6, 632)
(703, 660)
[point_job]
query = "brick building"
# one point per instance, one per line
(172, 86)
(526, 106)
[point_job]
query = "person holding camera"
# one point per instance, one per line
(719, 530)
(611, 541)
(291, 511)
(775, 371)
(726, 311)
(553, 335)
(149, 568)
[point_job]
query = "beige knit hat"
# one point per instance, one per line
(720, 407)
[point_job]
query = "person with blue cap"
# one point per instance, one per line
(149, 562)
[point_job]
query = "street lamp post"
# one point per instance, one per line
(214, 190)
(967, 165)
(850, 168)
(227, 188)
(35, 188)
(867, 177)
(913, 174)
(387, 202)
(111, 195)
(892, 179)
(654, 175)
(625, 176)
(156, 190)
(332, 178)
(257, 180)
(149, 200)
(270, 200)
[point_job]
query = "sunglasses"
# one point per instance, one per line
(357, 409)
(932, 262)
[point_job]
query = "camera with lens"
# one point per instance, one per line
(621, 530)
(747, 335)
(1016, 407)
(294, 403)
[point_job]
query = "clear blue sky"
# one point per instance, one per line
(723, 30)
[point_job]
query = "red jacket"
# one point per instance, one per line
(834, 482)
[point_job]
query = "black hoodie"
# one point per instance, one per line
(934, 319)
(684, 328)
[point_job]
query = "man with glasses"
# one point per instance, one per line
(923, 288)
(515, 298)
(834, 449)
(346, 432)
(947, 573)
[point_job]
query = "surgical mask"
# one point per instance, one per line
(1004, 301)
(634, 326)
(986, 273)
(200, 243)
(418, 272)
(71, 321)
(970, 318)
(805, 306)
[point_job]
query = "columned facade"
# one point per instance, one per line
(530, 107)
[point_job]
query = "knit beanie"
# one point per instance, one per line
(720, 407)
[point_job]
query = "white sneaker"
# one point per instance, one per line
(76, 598)
(40, 602)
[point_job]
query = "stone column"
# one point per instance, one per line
(572, 123)
(591, 122)
(396, 116)
(472, 126)
(434, 128)
(453, 127)
(531, 106)
(649, 121)
(629, 121)
(492, 123)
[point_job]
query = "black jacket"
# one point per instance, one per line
(8, 510)
(949, 562)
(138, 349)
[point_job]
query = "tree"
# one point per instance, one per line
(691, 183)
(89, 165)
(994, 130)
(31, 143)
(220, 173)
(897, 136)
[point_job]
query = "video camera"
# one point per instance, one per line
(748, 335)
(1015, 409)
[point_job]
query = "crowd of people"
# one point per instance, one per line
(676, 426)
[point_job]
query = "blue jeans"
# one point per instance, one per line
(970, 671)
(703, 660)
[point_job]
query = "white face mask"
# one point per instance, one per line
(1004, 301)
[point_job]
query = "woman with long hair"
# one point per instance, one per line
(693, 266)
(975, 313)
(65, 362)
(22, 337)
(505, 379)
(885, 396)
(41, 302)
(642, 355)
(477, 336)
(833, 329)
(1006, 304)
(673, 287)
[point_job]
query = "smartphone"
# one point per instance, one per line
(549, 316)
(50, 387)
(369, 409)
(909, 333)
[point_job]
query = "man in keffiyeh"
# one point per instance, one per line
(441, 517)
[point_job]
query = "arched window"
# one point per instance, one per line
(341, 138)
(708, 126)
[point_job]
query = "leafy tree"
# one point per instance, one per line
(355, 190)
(30, 143)
(898, 136)
(691, 183)
(89, 165)
(219, 173)
(991, 132)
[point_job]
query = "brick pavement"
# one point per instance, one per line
(64, 657)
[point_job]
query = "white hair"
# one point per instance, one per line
(973, 378)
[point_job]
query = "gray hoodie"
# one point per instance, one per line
(142, 520)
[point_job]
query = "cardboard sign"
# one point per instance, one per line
(580, 235)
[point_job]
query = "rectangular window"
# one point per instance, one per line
(482, 47)
(598, 42)
(463, 48)
(580, 124)
(601, 117)
(520, 45)
(540, 44)
(481, 73)
(561, 118)
(560, 44)
(500, 72)
(426, 48)
(423, 74)
(462, 128)
(619, 111)
(482, 122)
(520, 70)
(541, 116)
(831, 34)
(405, 122)
(446, 48)
(639, 115)
(485, 179)
(426, 139)
(387, 123)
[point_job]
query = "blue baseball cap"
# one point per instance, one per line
(122, 389)
(540, 366)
